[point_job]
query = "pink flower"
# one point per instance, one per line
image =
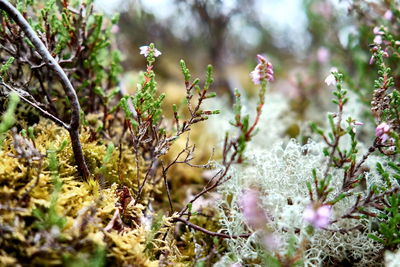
(388, 15)
(385, 53)
(323, 55)
(271, 242)
(378, 39)
(377, 31)
(371, 60)
(355, 123)
(114, 29)
(255, 76)
(263, 71)
(323, 9)
(381, 131)
(249, 203)
(145, 50)
(318, 216)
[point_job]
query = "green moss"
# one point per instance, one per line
(49, 217)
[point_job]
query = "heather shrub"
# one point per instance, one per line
(101, 166)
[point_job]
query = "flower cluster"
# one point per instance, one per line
(381, 131)
(145, 50)
(263, 71)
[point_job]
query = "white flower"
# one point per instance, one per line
(331, 80)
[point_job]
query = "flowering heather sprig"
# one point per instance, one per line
(381, 99)
(318, 215)
(262, 74)
(263, 71)
(146, 102)
(146, 49)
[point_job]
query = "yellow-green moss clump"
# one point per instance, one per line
(52, 217)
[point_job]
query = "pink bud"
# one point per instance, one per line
(371, 60)
(114, 29)
(388, 15)
(323, 55)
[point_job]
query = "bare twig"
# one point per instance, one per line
(34, 104)
(164, 174)
(69, 90)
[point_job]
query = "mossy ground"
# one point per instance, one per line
(93, 222)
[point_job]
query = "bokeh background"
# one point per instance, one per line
(303, 39)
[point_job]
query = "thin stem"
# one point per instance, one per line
(201, 229)
(69, 90)
(167, 187)
(44, 112)
(140, 189)
(336, 142)
(259, 110)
